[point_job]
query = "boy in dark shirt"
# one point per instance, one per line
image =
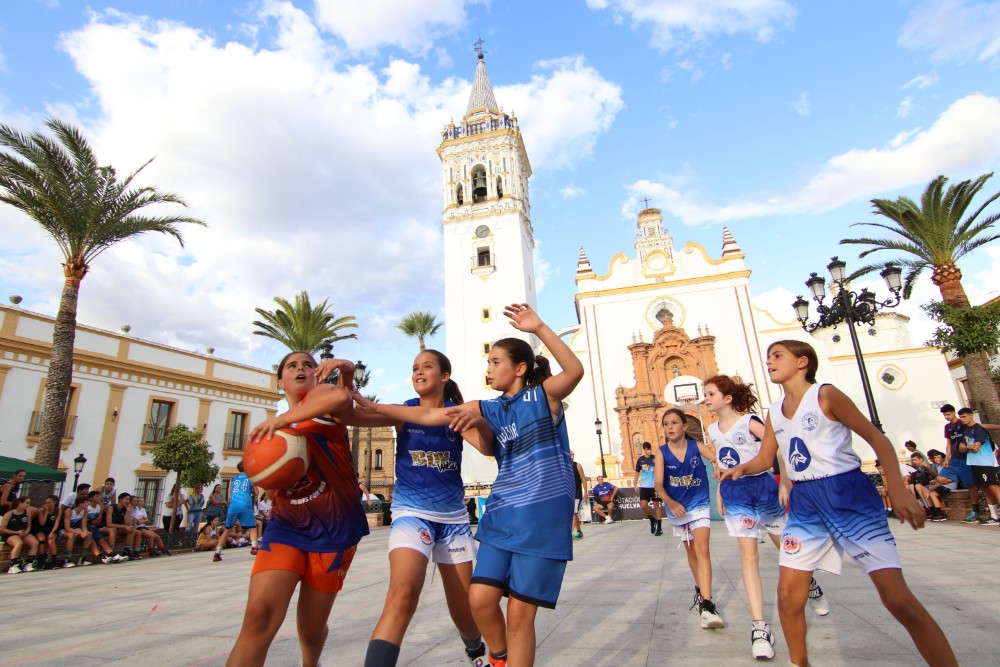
(955, 454)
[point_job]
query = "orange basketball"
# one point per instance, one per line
(277, 462)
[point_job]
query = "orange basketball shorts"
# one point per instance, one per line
(323, 572)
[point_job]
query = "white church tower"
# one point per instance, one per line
(488, 239)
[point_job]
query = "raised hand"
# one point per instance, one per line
(523, 317)
(362, 404)
(328, 366)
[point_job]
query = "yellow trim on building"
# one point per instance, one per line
(659, 286)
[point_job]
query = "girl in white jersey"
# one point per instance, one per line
(833, 505)
(524, 534)
(429, 518)
(682, 481)
(751, 502)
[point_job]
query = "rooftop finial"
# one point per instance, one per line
(478, 48)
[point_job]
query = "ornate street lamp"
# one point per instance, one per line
(597, 428)
(78, 464)
(327, 353)
(850, 308)
(359, 369)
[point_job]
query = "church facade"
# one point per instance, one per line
(652, 325)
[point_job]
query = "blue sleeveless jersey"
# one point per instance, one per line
(241, 497)
(686, 481)
(429, 473)
(323, 512)
(530, 509)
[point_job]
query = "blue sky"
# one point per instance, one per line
(305, 132)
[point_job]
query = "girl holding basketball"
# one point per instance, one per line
(315, 525)
(682, 481)
(429, 518)
(524, 534)
(833, 505)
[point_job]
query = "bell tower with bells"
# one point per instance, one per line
(488, 240)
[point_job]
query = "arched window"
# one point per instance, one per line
(459, 195)
(478, 184)
(378, 459)
(499, 188)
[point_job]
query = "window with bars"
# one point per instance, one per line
(150, 489)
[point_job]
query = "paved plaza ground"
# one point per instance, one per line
(624, 602)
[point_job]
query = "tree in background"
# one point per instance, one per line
(302, 327)
(184, 451)
(86, 209)
(935, 234)
(419, 324)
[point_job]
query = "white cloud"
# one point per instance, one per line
(921, 81)
(312, 175)
(953, 29)
(679, 24)
(964, 139)
(905, 107)
(802, 105)
(410, 24)
(571, 192)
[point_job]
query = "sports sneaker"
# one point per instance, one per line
(477, 658)
(166, 552)
(106, 559)
(84, 562)
(253, 551)
(971, 517)
(117, 558)
(14, 569)
(659, 531)
(816, 600)
(30, 567)
(577, 534)
(497, 662)
(154, 554)
(939, 518)
(989, 522)
(135, 556)
(608, 519)
(761, 641)
(709, 616)
(69, 564)
(217, 557)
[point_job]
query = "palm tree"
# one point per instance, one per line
(86, 209)
(419, 324)
(934, 235)
(302, 326)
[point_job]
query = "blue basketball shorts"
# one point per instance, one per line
(835, 515)
(531, 579)
(444, 543)
(244, 516)
(752, 503)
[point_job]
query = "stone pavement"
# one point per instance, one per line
(624, 602)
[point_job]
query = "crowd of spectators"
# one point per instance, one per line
(88, 526)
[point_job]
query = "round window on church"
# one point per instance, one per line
(482, 231)
(891, 377)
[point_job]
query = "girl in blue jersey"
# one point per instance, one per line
(429, 517)
(834, 507)
(524, 533)
(682, 483)
(315, 525)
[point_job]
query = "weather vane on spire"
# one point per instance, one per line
(478, 48)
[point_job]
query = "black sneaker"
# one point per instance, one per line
(697, 598)
(652, 525)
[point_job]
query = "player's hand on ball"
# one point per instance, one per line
(267, 429)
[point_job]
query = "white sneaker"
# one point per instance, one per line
(69, 563)
(117, 558)
(30, 567)
(817, 600)
(710, 618)
(761, 641)
(608, 519)
(84, 562)
(13, 569)
(106, 559)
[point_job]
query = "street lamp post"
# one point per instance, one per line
(597, 428)
(853, 309)
(78, 464)
(359, 369)
(327, 353)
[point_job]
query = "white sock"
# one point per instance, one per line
(993, 512)
(218, 549)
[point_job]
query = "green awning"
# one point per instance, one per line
(36, 473)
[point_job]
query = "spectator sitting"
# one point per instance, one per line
(118, 519)
(179, 511)
(605, 494)
(911, 449)
(237, 536)
(208, 536)
(95, 521)
(11, 490)
(919, 482)
(143, 532)
(15, 532)
(263, 512)
(69, 500)
(75, 528)
(45, 524)
(946, 481)
(108, 492)
(196, 504)
(882, 485)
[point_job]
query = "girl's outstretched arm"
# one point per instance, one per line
(837, 406)
(324, 399)
(559, 386)
(474, 429)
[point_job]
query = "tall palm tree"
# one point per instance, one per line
(934, 235)
(301, 326)
(419, 324)
(86, 209)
